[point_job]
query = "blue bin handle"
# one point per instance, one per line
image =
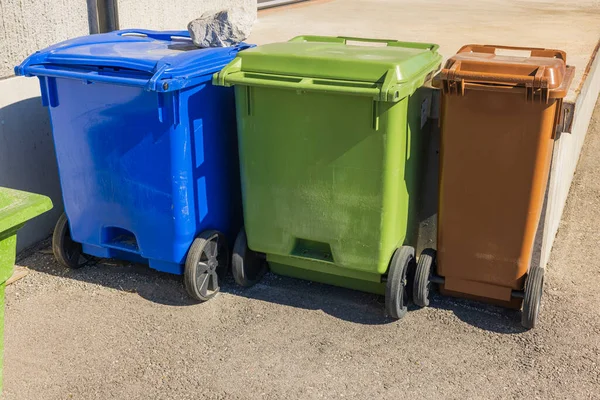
(168, 35)
(92, 76)
(158, 35)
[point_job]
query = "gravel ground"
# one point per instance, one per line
(125, 332)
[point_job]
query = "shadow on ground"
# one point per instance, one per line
(480, 315)
(345, 304)
(168, 289)
(348, 305)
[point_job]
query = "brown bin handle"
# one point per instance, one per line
(455, 74)
(535, 51)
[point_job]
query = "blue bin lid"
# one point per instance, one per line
(158, 60)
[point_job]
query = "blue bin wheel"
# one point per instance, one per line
(66, 251)
(534, 287)
(396, 289)
(248, 267)
(422, 283)
(206, 264)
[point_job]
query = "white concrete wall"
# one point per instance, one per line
(27, 158)
(29, 25)
(172, 14)
(567, 150)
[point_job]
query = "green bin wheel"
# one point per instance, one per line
(207, 262)
(248, 267)
(422, 283)
(396, 293)
(534, 286)
(66, 251)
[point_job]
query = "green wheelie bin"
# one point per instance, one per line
(329, 144)
(16, 208)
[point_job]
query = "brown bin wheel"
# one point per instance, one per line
(422, 283)
(66, 251)
(534, 287)
(396, 288)
(248, 267)
(206, 264)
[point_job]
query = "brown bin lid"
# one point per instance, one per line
(540, 68)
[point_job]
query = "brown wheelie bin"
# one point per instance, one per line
(498, 121)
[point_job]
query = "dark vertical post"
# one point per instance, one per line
(92, 10)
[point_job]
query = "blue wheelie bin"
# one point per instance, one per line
(146, 150)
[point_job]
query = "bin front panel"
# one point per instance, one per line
(319, 180)
(496, 150)
(144, 172)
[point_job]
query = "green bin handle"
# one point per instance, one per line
(301, 83)
(345, 39)
(387, 91)
(232, 74)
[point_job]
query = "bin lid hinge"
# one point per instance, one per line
(456, 87)
(154, 83)
(537, 90)
(453, 84)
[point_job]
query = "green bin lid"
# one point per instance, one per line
(17, 207)
(388, 70)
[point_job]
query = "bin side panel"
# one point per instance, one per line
(215, 163)
(8, 246)
(403, 125)
(495, 159)
(314, 177)
(129, 179)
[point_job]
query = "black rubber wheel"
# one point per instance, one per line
(422, 283)
(206, 264)
(534, 287)
(396, 293)
(248, 267)
(66, 251)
